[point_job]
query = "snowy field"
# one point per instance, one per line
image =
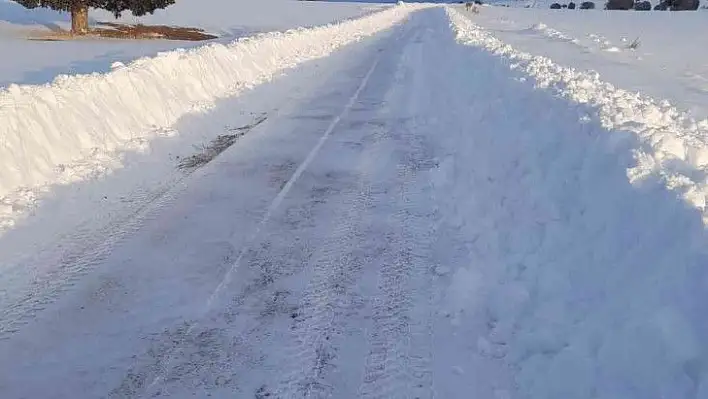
(420, 202)
(669, 63)
(37, 62)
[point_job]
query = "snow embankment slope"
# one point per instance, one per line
(591, 283)
(77, 127)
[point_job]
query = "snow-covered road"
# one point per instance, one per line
(420, 221)
(302, 262)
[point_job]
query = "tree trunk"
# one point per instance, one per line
(79, 19)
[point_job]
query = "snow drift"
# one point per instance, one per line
(47, 130)
(588, 251)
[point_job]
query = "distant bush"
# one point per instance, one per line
(619, 5)
(678, 5)
(635, 43)
(556, 6)
(571, 6)
(478, 2)
(642, 6)
(684, 5)
(587, 5)
(564, 6)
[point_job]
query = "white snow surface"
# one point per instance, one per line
(78, 127)
(668, 63)
(433, 206)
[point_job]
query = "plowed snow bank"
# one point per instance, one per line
(588, 268)
(673, 145)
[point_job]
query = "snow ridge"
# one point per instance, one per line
(672, 145)
(76, 127)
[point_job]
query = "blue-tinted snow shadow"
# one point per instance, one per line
(106, 51)
(106, 54)
(99, 64)
(16, 14)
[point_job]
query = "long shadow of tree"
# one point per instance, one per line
(19, 15)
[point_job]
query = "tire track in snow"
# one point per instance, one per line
(398, 363)
(344, 259)
(327, 295)
(87, 248)
(332, 315)
(399, 358)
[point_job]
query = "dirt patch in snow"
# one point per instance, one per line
(208, 152)
(113, 30)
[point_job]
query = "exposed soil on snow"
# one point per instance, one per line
(113, 30)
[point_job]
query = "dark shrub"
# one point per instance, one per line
(619, 5)
(587, 5)
(571, 6)
(555, 6)
(683, 5)
(642, 6)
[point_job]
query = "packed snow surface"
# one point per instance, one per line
(417, 203)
